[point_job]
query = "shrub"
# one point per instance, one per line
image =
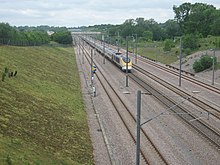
(187, 51)
(205, 62)
(197, 66)
(168, 45)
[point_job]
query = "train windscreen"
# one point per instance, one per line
(126, 60)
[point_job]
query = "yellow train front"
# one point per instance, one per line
(121, 60)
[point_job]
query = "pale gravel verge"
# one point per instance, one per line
(101, 155)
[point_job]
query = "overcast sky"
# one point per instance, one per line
(74, 13)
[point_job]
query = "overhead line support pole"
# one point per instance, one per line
(180, 68)
(138, 125)
(126, 62)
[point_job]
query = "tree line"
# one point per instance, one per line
(32, 36)
(192, 21)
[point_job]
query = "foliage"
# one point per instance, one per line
(190, 41)
(172, 29)
(168, 45)
(197, 66)
(6, 31)
(203, 63)
(217, 42)
(25, 35)
(198, 18)
(206, 61)
(187, 51)
(42, 28)
(215, 30)
(12, 36)
(147, 35)
(62, 37)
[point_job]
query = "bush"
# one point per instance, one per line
(197, 66)
(187, 51)
(205, 62)
(168, 45)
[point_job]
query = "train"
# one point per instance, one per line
(118, 58)
(122, 61)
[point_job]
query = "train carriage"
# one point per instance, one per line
(121, 60)
(116, 57)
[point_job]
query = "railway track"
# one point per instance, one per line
(149, 154)
(204, 129)
(174, 72)
(186, 77)
(213, 110)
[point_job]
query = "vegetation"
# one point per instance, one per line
(197, 24)
(198, 18)
(12, 36)
(204, 63)
(42, 117)
(62, 37)
(43, 28)
(32, 36)
(168, 45)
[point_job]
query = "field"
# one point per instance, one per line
(42, 117)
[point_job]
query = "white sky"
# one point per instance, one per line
(74, 13)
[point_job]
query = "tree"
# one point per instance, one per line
(140, 22)
(190, 41)
(147, 35)
(62, 37)
(182, 13)
(196, 18)
(215, 30)
(6, 31)
(172, 28)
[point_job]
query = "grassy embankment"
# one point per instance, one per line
(42, 117)
(154, 50)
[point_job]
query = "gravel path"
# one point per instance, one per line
(101, 154)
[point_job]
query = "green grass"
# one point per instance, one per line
(42, 117)
(218, 65)
(157, 53)
(154, 51)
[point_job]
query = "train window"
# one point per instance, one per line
(126, 60)
(118, 53)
